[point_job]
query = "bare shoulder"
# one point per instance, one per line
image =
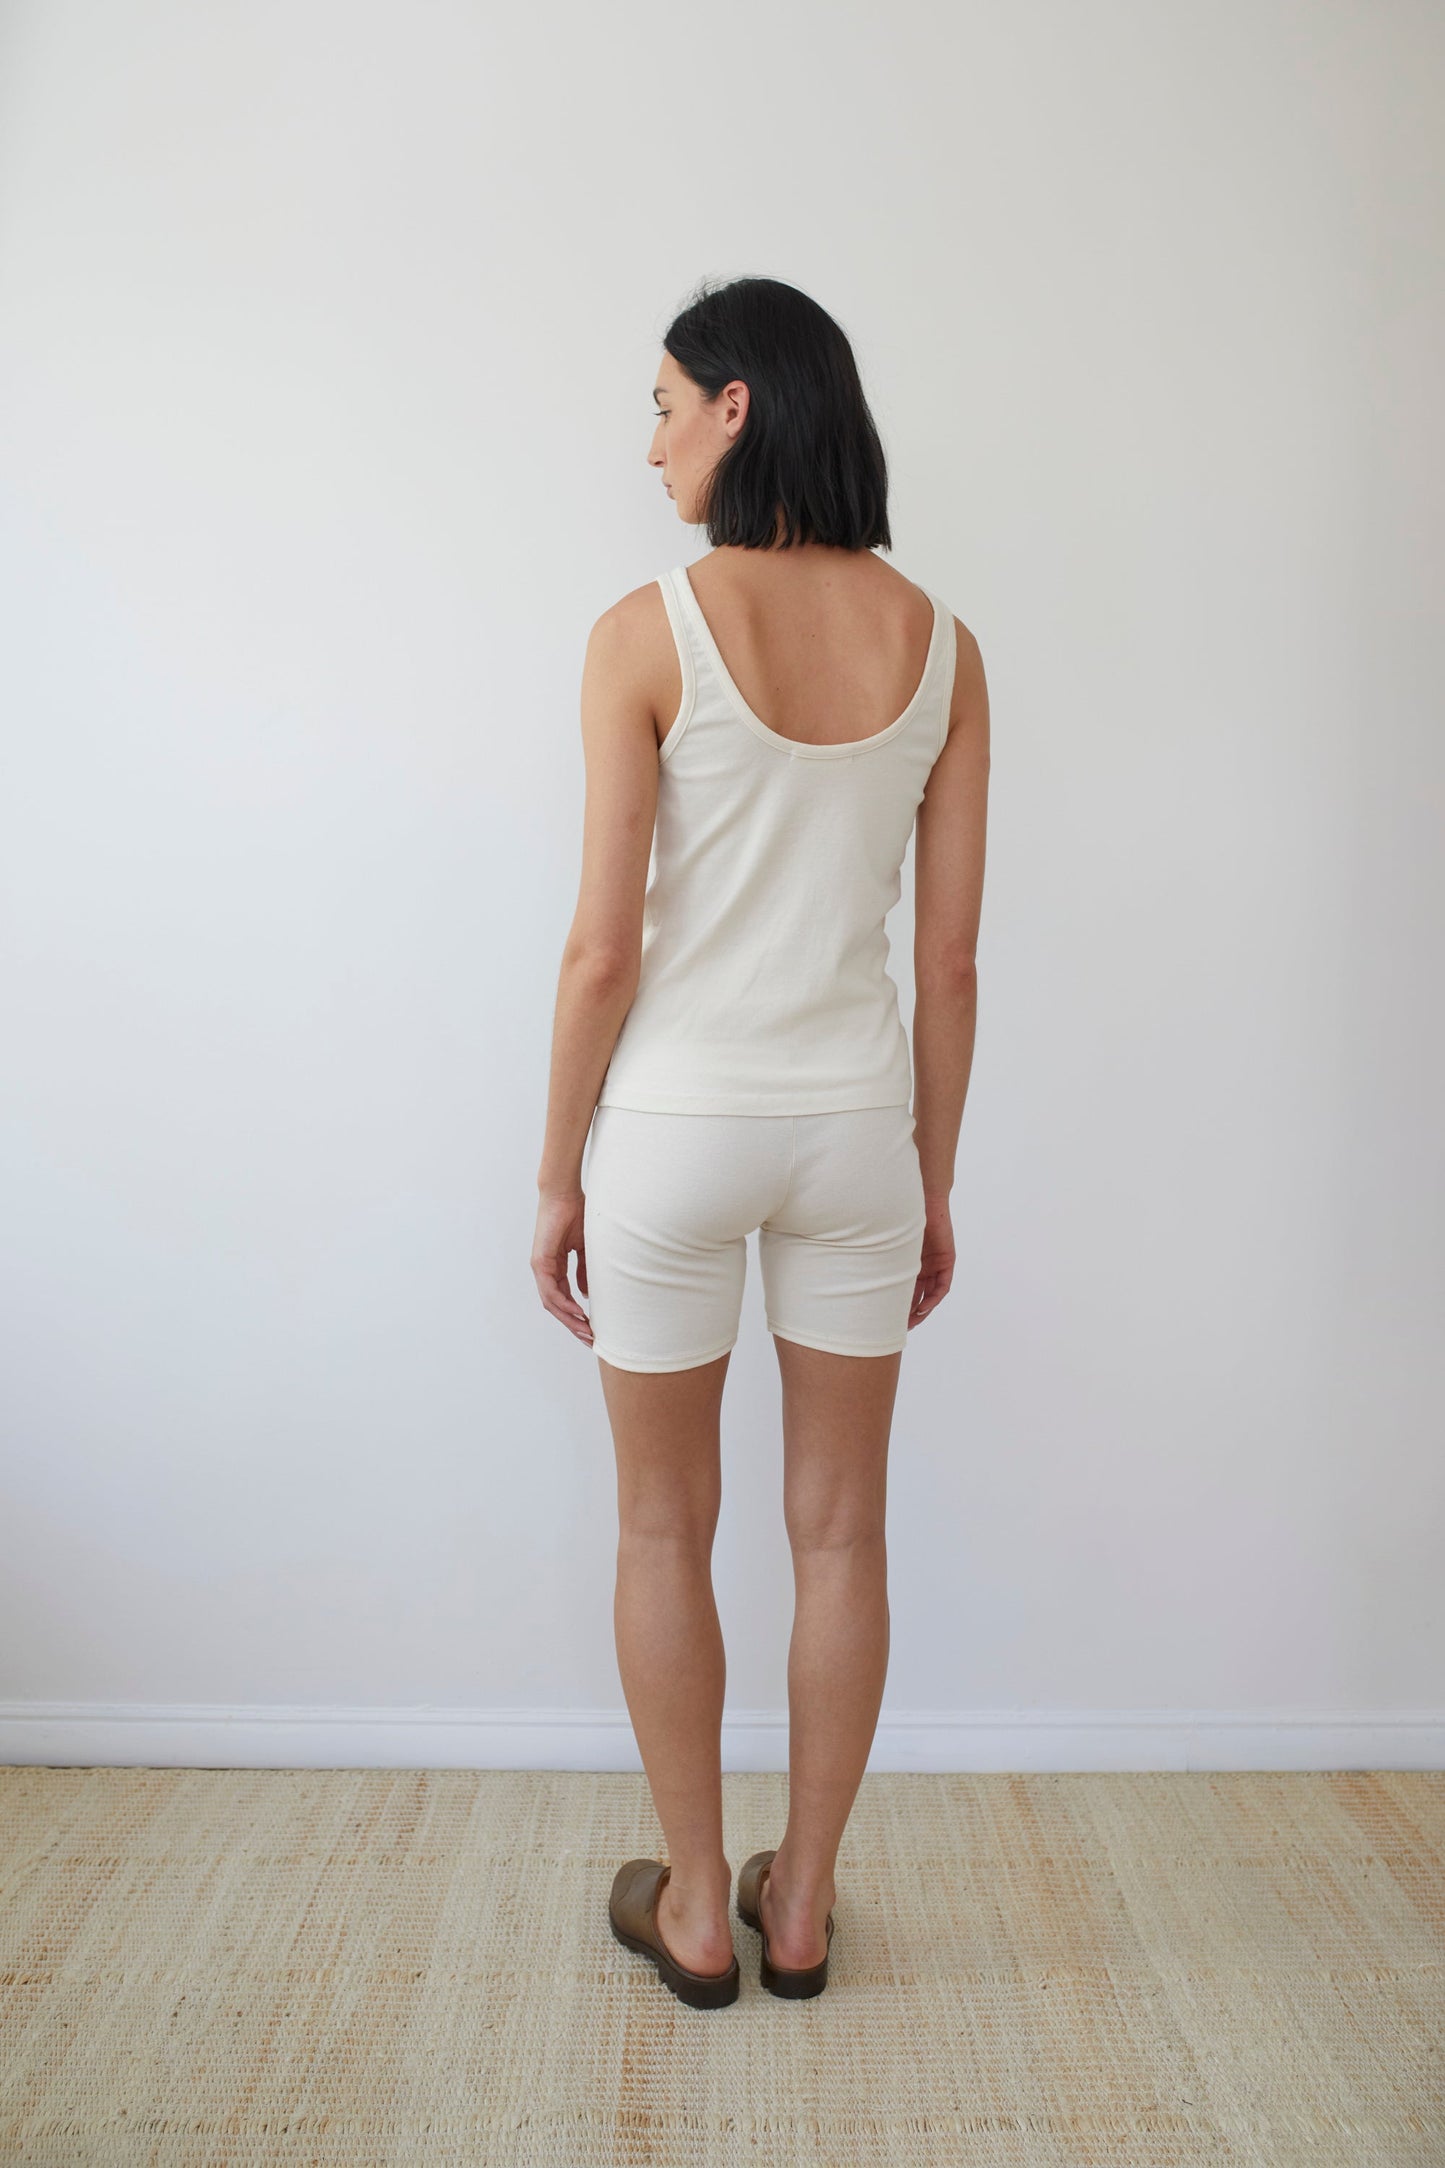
(630, 648)
(634, 616)
(968, 655)
(968, 711)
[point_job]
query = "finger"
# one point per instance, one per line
(929, 1292)
(557, 1298)
(576, 1322)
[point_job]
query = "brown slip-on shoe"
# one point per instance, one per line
(632, 1909)
(790, 1981)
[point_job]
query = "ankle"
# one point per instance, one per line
(803, 1888)
(698, 1891)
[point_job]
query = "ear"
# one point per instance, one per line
(735, 398)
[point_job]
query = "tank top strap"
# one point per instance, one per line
(689, 626)
(674, 596)
(673, 586)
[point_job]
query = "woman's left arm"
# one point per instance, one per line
(602, 955)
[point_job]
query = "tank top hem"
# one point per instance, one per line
(840, 1099)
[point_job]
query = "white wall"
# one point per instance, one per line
(327, 337)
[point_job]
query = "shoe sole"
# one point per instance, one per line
(700, 1990)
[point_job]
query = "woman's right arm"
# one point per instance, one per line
(948, 862)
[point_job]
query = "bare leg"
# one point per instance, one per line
(666, 1432)
(837, 1419)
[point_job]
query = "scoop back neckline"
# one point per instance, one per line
(682, 580)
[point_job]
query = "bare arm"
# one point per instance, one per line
(602, 954)
(948, 865)
(630, 654)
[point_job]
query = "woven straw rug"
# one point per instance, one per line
(392, 1967)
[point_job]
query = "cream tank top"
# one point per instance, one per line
(764, 985)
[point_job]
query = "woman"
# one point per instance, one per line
(762, 731)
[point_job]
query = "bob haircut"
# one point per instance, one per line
(809, 453)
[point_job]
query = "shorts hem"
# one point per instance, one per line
(839, 1347)
(653, 1364)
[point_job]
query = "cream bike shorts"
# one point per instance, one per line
(836, 1201)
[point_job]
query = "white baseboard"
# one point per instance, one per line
(177, 1735)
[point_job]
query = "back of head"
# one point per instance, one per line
(808, 465)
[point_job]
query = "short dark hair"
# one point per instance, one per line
(809, 448)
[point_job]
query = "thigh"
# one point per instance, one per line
(837, 1422)
(668, 1203)
(840, 1256)
(667, 1435)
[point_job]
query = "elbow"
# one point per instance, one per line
(605, 972)
(945, 974)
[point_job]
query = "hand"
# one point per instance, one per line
(559, 1230)
(935, 1271)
